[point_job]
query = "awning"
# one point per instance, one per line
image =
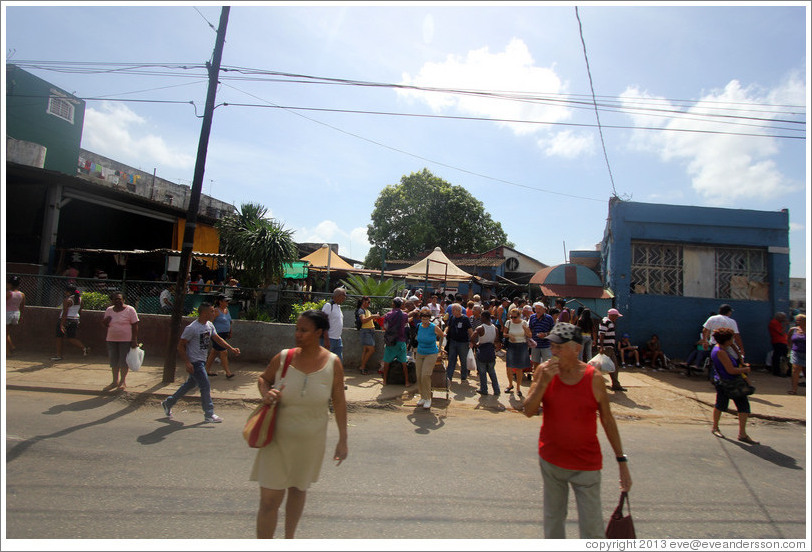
(325, 258)
(297, 270)
(436, 267)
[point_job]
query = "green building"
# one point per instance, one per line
(40, 113)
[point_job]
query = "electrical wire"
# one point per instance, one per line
(594, 100)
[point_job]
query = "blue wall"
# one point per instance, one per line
(678, 320)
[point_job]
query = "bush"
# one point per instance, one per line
(95, 300)
(299, 308)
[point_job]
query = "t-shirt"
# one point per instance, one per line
(396, 318)
(120, 327)
(607, 330)
(333, 311)
(777, 334)
(458, 328)
(369, 324)
(541, 324)
(166, 299)
(198, 340)
(719, 321)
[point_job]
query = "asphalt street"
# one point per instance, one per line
(104, 467)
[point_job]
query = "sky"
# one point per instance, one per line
(700, 105)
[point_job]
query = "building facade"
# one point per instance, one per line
(672, 266)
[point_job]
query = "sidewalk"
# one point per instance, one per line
(668, 395)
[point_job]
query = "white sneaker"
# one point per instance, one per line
(420, 402)
(213, 419)
(217, 360)
(427, 404)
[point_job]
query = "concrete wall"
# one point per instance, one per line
(258, 341)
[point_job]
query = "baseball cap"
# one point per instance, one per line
(563, 332)
(614, 311)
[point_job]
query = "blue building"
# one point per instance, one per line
(670, 266)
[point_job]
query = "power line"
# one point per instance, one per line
(597, 115)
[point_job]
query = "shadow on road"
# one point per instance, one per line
(425, 420)
(79, 406)
(161, 433)
(769, 454)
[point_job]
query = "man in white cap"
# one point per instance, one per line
(607, 342)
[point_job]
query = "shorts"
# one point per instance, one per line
(71, 326)
(722, 402)
(798, 358)
(216, 346)
(367, 337)
(540, 354)
(12, 318)
(396, 351)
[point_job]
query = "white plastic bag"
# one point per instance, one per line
(135, 358)
(602, 363)
(470, 361)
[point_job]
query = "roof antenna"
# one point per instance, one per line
(565, 251)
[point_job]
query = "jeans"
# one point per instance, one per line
(586, 349)
(457, 349)
(586, 485)
(337, 347)
(200, 379)
(485, 369)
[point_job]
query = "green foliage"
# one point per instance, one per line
(255, 313)
(256, 246)
(299, 308)
(380, 292)
(95, 300)
(424, 212)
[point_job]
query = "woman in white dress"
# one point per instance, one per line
(292, 461)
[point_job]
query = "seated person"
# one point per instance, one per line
(700, 352)
(654, 352)
(627, 351)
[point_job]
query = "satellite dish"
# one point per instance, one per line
(512, 264)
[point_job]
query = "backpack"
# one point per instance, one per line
(358, 322)
(390, 334)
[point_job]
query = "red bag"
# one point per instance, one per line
(259, 428)
(620, 526)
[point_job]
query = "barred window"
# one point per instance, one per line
(656, 268)
(61, 108)
(741, 273)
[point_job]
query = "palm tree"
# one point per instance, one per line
(379, 291)
(256, 246)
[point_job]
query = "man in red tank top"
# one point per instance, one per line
(570, 393)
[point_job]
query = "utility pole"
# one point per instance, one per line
(194, 200)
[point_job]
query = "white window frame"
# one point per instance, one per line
(61, 107)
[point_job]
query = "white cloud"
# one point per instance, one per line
(796, 227)
(567, 144)
(512, 70)
(117, 132)
(722, 167)
(353, 243)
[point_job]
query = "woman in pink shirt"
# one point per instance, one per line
(121, 322)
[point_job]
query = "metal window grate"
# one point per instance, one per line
(61, 108)
(656, 268)
(739, 269)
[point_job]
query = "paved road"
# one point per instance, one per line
(86, 466)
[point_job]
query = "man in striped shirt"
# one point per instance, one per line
(607, 342)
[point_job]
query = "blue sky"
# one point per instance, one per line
(548, 184)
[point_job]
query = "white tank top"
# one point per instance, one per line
(73, 310)
(490, 333)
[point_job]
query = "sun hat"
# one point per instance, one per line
(563, 332)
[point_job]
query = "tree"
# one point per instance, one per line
(423, 212)
(256, 246)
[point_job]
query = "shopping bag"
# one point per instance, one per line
(470, 361)
(135, 358)
(603, 363)
(259, 428)
(620, 526)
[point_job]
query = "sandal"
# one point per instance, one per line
(748, 440)
(717, 433)
(509, 389)
(364, 372)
